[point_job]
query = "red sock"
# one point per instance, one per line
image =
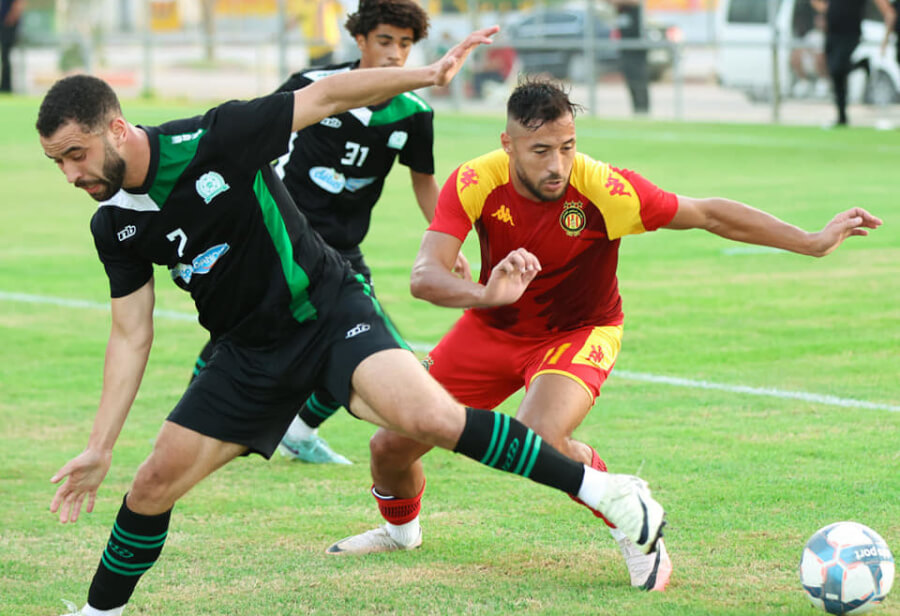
(399, 511)
(600, 465)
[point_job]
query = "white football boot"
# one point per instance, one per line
(648, 571)
(371, 542)
(628, 506)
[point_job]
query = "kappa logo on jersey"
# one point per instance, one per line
(572, 219)
(616, 187)
(126, 232)
(504, 215)
(467, 177)
(201, 264)
(210, 185)
(328, 179)
(360, 328)
(331, 122)
(398, 139)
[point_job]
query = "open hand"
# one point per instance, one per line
(447, 67)
(854, 221)
(84, 474)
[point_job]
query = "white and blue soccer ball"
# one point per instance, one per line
(846, 568)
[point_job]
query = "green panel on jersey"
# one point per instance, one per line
(175, 152)
(401, 106)
(294, 275)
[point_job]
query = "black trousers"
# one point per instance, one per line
(838, 49)
(7, 40)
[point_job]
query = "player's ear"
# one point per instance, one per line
(118, 128)
(506, 142)
(360, 42)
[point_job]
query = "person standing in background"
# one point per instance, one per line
(10, 16)
(634, 61)
(843, 30)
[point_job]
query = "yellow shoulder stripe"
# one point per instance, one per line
(611, 193)
(478, 178)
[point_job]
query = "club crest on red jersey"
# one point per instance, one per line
(572, 219)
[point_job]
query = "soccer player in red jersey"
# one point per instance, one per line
(546, 313)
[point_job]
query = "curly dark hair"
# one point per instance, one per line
(397, 13)
(537, 100)
(87, 100)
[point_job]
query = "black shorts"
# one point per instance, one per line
(250, 395)
(354, 256)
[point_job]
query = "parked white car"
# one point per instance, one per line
(744, 59)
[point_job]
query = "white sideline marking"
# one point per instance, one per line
(80, 303)
(424, 347)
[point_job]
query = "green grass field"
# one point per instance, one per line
(746, 478)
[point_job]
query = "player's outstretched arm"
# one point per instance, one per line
(351, 89)
(736, 221)
(127, 350)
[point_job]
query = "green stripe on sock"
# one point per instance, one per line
(501, 444)
(490, 448)
(143, 567)
(536, 448)
(138, 541)
(528, 438)
(317, 408)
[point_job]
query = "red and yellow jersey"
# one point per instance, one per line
(575, 238)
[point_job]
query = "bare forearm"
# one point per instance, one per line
(437, 284)
(126, 359)
(740, 222)
(369, 86)
(426, 190)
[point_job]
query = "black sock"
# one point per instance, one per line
(318, 408)
(503, 442)
(134, 545)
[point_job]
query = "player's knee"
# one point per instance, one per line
(390, 451)
(440, 424)
(152, 489)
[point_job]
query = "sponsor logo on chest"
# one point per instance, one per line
(202, 263)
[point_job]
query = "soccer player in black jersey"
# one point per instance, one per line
(287, 313)
(335, 170)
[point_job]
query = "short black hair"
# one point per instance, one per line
(87, 100)
(537, 100)
(397, 13)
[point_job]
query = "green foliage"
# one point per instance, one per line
(745, 478)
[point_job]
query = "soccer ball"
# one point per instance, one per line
(846, 568)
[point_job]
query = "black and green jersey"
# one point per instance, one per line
(335, 170)
(215, 214)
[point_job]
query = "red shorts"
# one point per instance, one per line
(482, 366)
